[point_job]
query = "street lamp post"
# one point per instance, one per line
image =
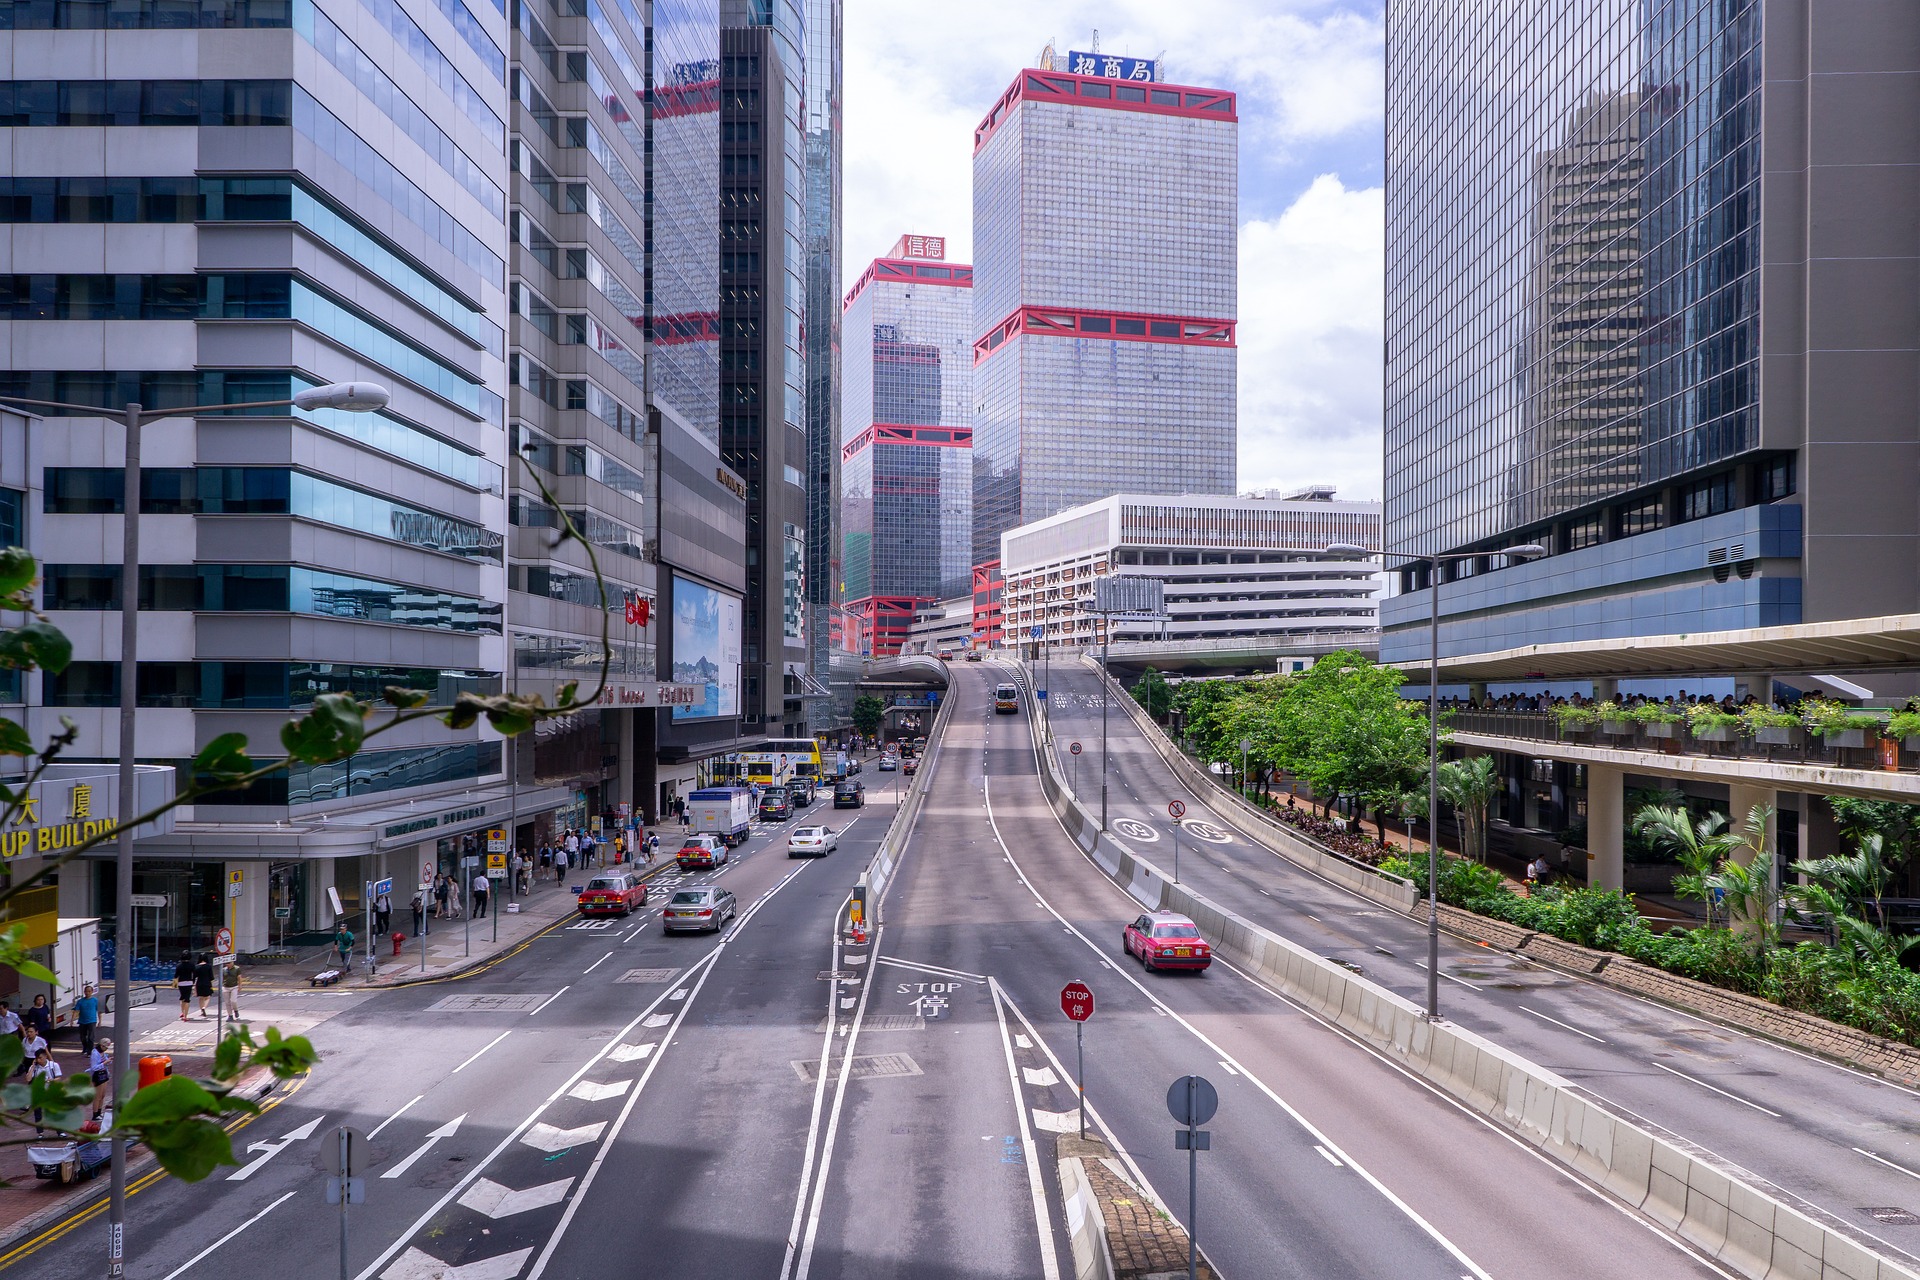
(356, 397)
(1526, 551)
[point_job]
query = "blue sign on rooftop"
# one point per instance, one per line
(1112, 67)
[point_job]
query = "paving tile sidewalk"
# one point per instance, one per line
(452, 946)
(1144, 1242)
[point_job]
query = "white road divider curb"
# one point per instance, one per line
(1742, 1228)
(1086, 1229)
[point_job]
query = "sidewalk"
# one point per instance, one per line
(453, 947)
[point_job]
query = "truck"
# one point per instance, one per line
(837, 765)
(726, 812)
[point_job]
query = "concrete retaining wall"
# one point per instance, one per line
(1742, 1228)
(879, 872)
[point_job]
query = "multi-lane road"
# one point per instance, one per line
(779, 1101)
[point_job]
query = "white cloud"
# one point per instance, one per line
(1311, 282)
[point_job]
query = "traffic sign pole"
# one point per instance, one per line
(1192, 1101)
(1080, 1054)
(1076, 1001)
(1177, 809)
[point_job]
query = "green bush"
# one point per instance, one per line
(1904, 724)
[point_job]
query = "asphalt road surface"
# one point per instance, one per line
(1833, 1141)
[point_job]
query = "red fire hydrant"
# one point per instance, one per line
(398, 938)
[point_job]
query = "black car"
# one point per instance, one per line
(775, 804)
(800, 792)
(849, 795)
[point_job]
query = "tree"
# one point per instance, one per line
(183, 1120)
(1469, 786)
(1343, 726)
(868, 711)
(1714, 861)
(1153, 692)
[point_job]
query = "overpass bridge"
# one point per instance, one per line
(1221, 656)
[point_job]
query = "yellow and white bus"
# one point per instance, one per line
(778, 759)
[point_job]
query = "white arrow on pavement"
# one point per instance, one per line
(268, 1150)
(1042, 1076)
(415, 1265)
(444, 1131)
(489, 1197)
(630, 1052)
(657, 1020)
(544, 1137)
(592, 1091)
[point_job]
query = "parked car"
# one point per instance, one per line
(775, 805)
(1166, 940)
(849, 795)
(616, 893)
(912, 766)
(702, 851)
(889, 763)
(812, 842)
(703, 908)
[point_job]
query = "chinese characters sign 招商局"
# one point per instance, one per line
(1109, 67)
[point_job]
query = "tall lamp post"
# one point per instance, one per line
(1526, 551)
(354, 397)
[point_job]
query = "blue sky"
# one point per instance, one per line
(1308, 75)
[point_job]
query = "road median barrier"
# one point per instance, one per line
(1741, 1227)
(873, 882)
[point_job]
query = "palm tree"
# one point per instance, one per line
(1698, 844)
(1846, 890)
(1736, 867)
(1469, 786)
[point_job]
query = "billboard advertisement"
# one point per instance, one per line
(706, 647)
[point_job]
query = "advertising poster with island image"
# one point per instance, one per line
(706, 647)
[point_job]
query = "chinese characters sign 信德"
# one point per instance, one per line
(1110, 67)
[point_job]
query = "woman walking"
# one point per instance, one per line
(100, 1071)
(183, 983)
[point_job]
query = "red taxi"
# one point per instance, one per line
(1167, 940)
(613, 893)
(701, 851)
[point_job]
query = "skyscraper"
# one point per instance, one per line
(822, 330)
(1105, 220)
(279, 195)
(906, 461)
(1607, 336)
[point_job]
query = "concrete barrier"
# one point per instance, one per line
(879, 873)
(1086, 1229)
(1741, 1227)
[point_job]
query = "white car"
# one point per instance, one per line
(811, 842)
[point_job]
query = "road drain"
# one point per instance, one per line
(647, 975)
(881, 1022)
(1893, 1216)
(873, 1067)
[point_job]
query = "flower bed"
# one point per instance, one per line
(1346, 841)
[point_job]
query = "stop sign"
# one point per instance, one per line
(1076, 1001)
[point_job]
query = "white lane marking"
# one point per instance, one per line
(395, 1116)
(636, 932)
(446, 1130)
(415, 1264)
(1223, 1056)
(1890, 1164)
(630, 1052)
(1229, 1067)
(1023, 1042)
(1722, 1092)
(595, 965)
(930, 968)
(1556, 1022)
(495, 1201)
(1042, 1077)
(190, 1262)
(1042, 1217)
(550, 999)
(550, 1138)
(268, 1150)
(593, 1091)
(804, 1260)
(1332, 1159)
(1449, 977)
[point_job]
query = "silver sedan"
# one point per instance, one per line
(704, 908)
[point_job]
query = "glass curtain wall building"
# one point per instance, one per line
(1606, 335)
(821, 331)
(763, 300)
(906, 512)
(1105, 220)
(341, 214)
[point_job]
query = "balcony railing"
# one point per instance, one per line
(1855, 749)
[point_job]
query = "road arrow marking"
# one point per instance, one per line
(1056, 1121)
(496, 1201)
(590, 1091)
(657, 1020)
(444, 1131)
(269, 1150)
(1042, 1076)
(415, 1265)
(544, 1137)
(630, 1052)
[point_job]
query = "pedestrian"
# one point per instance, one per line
(441, 888)
(572, 846)
(100, 1071)
(230, 988)
(86, 1012)
(343, 946)
(10, 1024)
(653, 846)
(44, 1068)
(513, 869)
(383, 914)
(419, 916)
(39, 1017)
(619, 849)
(480, 891)
(34, 1043)
(203, 982)
(183, 983)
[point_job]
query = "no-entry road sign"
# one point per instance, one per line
(1076, 1001)
(1177, 808)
